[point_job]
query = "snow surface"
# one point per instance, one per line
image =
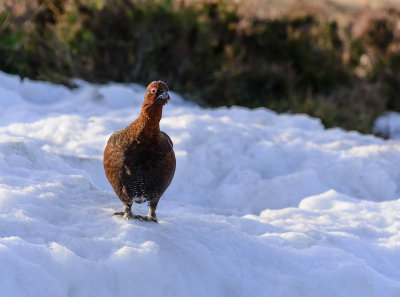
(261, 204)
(388, 125)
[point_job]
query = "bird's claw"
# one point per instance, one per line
(152, 219)
(148, 219)
(126, 215)
(130, 215)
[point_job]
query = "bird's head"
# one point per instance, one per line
(156, 94)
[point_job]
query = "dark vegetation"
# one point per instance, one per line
(212, 55)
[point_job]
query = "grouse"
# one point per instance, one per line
(139, 160)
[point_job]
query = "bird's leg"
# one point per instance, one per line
(151, 216)
(127, 214)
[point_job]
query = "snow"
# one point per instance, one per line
(261, 204)
(388, 125)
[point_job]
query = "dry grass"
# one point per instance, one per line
(342, 11)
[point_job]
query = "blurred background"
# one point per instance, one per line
(338, 60)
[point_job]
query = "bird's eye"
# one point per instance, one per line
(153, 90)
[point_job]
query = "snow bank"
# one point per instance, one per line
(388, 125)
(261, 204)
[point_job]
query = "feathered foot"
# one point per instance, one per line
(147, 218)
(127, 215)
(151, 217)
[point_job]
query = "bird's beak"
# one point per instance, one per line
(163, 96)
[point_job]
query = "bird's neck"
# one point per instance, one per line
(150, 120)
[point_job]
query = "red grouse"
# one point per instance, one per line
(139, 160)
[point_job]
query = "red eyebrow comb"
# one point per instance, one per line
(153, 88)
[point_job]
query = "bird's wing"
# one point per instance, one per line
(115, 137)
(167, 139)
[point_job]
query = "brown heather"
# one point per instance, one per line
(343, 68)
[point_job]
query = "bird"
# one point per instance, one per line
(139, 160)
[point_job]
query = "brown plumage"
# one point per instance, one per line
(139, 160)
